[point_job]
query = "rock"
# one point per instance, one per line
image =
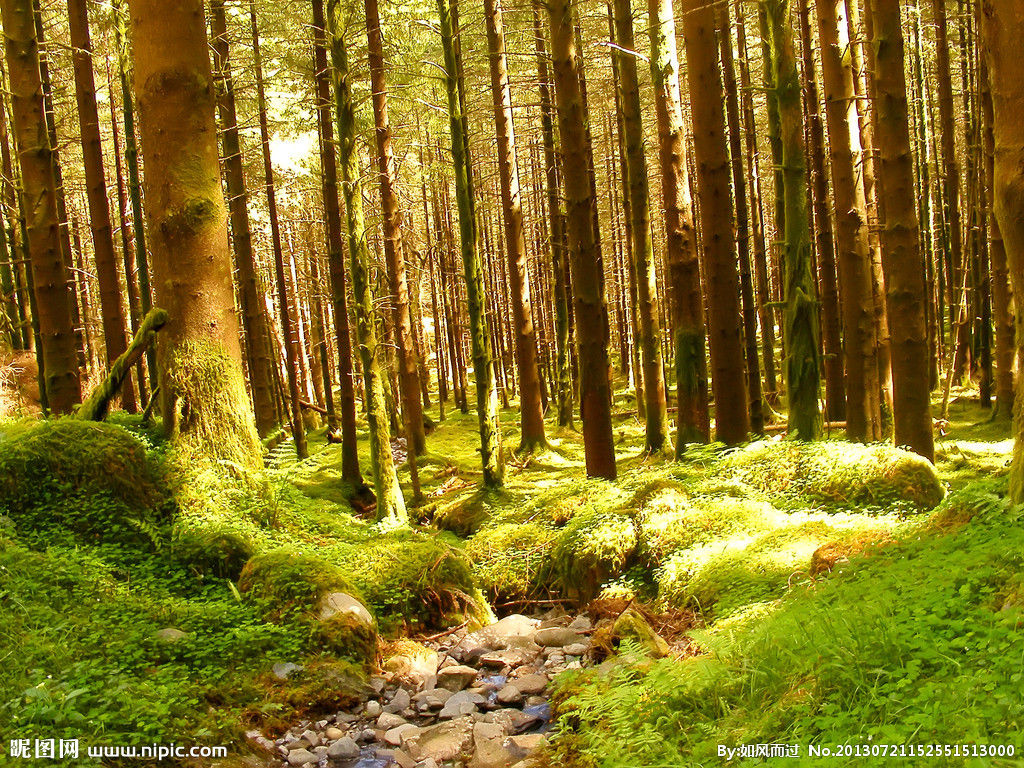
(488, 730)
(281, 670)
(510, 694)
(557, 636)
(576, 649)
(403, 759)
(461, 703)
(509, 657)
(530, 683)
(311, 737)
(631, 624)
(401, 700)
(389, 720)
(301, 757)
(580, 624)
(343, 749)
(535, 701)
(334, 733)
(258, 738)
(373, 708)
(527, 742)
(170, 635)
(334, 603)
(413, 662)
(490, 753)
(444, 741)
(428, 763)
(456, 678)
(395, 736)
(497, 636)
(434, 698)
(366, 736)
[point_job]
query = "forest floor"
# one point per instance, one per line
(844, 596)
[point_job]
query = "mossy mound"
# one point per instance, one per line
(414, 578)
(591, 549)
(290, 582)
(84, 481)
(838, 473)
(510, 560)
(215, 549)
(560, 504)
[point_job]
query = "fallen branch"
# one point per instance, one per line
(95, 407)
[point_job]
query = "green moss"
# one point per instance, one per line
(288, 581)
(345, 636)
(68, 480)
(510, 560)
(592, 548)
(215, 549)
(838, 473)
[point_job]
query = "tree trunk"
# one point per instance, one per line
(204, 404)
(250, 290)
(901, 252)
(681, 255)
(588, 288)
(288, 326)
(476, 295)
(637, 184)
(111, 306)
(803, 355)
(1003, 26)
(711, 156)
(53, 299)
(390, 502)
(531, 416)
(863, 415)
(335, 256)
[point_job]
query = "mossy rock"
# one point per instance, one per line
(290, 582)
(838, 473)
(88, 481)
(212, 549)
(593, 548)
(347, 637)
(630, 626)
(510, 560)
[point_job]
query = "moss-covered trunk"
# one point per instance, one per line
(476, 297)
(390, 502)
(54, 303)
(681, 253)
(205, 407)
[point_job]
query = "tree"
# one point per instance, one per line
(390, 502)
(531, 416)
(52, 310)
(711, 157)
(681, 255)
(587, 281)
(901, 252)
(250, 289)
(649, 330)
(1003, 22)
(476, 297)
(111, 305)
(803, 345)
(202, 389)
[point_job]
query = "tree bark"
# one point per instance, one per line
(531, 411)
(53, 299)
(587, 283)
(901, 252)
(204, 404)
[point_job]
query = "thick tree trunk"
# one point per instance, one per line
(53, 299)
(901, 252)
(531, 411)
(111, 306)
(204, 404)
(803, 345)
(476, 295)
(390, 502)
(335, 256)
(292, 350)
(711, 156)
(681, 254)
(1003, 26)
(587, 283)
(637, 184)
(863, 415)
(250, 291)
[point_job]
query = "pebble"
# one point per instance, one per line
(373, 708)
(344, 748)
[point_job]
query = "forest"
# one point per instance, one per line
(555, 383)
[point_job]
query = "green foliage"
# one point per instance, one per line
(67, 481)
(592, 548)
(289, 582)
(511, 560)
(838, 474)
(920, 642)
